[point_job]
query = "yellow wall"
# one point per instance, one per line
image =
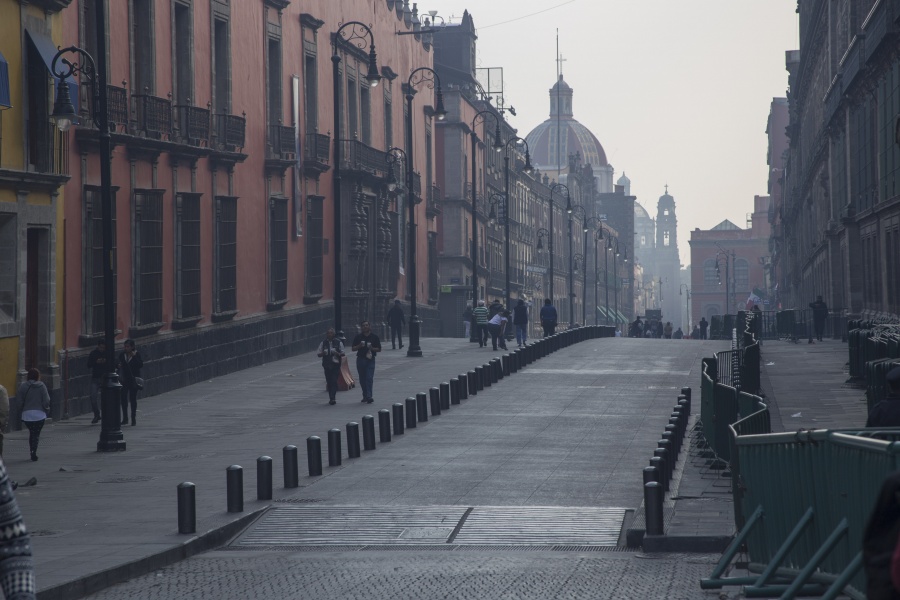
(11, 156)
(9, 363)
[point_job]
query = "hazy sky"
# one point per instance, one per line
(677, 91)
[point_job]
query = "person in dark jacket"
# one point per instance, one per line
(880, 539)
(494, 308)
(35, 401)
(396, 321)
(548, 318)
(820, 313)
(887, 412)
(129, 366)
(97, 364)
(331, 351)
(520, 320)
(679, 334)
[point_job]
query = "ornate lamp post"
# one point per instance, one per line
(577, 208)
(111, 436)
(554, 187)
(395, 157)
(685, 291)
(615, 250)
(498, 147)
(725, 253)
(358, 34)
(578, 259)
(605, 267)
(587, 226)
(527, 169)
(427, 76)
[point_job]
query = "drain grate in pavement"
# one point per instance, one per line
(571, 529)
(134, 479)
(299, 500)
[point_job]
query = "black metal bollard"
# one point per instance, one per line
(657, 463)
(334, 447)
(352, 439)
(384, 425)
(504, 364)
(422, 406)
(397, 408)
(290, 467)
(187, 507)
(664, 467)
(670, 456)
(490, 374)
(314, 455)
(685, 407)
(653, 507)
(514, 360)
(445, 395)
(672, 431)
(463, 386)
(686, 392)
(455, 390)
(475, 381)
(410, 413)
(264, 478)
(368, 427)
(434, 398)
(650, 474)
(479, 378)
(234, 488)
(497, 372)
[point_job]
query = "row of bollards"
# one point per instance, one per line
(400, 417)
(658, 476)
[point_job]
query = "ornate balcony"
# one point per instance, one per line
(359, 157)
(153, 115)
(433, 201)
(281, 142)
(316, 153)
(230, 132)
(193, 125)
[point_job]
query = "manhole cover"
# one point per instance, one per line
(135, 479)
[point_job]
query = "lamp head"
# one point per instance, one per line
(492, 216)
(569, 207)
(528, 168)
(439, 111)
(63, 111)
(540, 245)
(373, 76)
(498, 145)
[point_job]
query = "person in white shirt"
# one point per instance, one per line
(497, 328)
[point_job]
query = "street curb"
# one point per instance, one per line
(95, 582)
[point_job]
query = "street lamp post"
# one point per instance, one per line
(111, 437)
(724, 254)
(578, 259)
(616, 254)
(606, 270)
(498, 147)
(576, 208)
(687, 305)
(352, 32)
(527, 169)
(427, 76)
(553, 188)
(587, 226)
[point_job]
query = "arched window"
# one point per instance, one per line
(666, 212)
(665, 238)
(711, 311)
(710, 277)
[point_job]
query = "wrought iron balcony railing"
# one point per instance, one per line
(153, 115)
(434, 200)
(281, 142)
(230, 132)
(317, 151)
(193, 124)
(357, 156)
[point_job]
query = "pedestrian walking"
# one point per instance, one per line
(520, 320)
(667, 330)
(331, 351)
(679, 334)
(497, 328)
(35, 408)
(495, 307)
(467, 321)
(129, 366)
(820, 313)
(481, 321)
(16, 565)
(367, 346)
(887, 412)
(549, 318)
(695, 333)
(97, 364)
(396, 320)
(704, 326)
(636, 329)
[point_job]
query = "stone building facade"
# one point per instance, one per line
(838, 228)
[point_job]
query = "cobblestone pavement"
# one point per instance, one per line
(424, 575)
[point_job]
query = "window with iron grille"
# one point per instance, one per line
(711, 276)
(148, 246)
(273, 82)
(365, 109)
(314, 249)
(92, 241)
(182, 56)
(225, 254)
(352, 109)
(741, 275)
(278, 243)
(221, 49)
(311, 93)
(388, 116)
(143, 47)
(187, 255)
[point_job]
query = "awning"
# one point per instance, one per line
(620, 317)
(47, 49)
(601, 311)
(4, 83)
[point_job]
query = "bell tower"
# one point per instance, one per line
(668, 261)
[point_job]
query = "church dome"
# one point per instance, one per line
(573, 136)
(640, 212)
